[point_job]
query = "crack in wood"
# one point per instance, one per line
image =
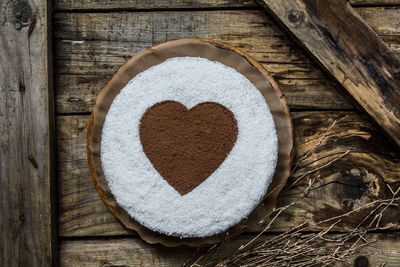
(33, 161)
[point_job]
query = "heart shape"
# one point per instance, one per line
(187, 146)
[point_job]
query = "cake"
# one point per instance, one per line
(189, 147)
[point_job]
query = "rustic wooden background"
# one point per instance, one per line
(91, 39)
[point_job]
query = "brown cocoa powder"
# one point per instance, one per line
(187, 146)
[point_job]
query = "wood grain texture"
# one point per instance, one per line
(134, 252)
(70, 5)
(77, 93)
(350, 51)
(90, 47)
(27, 223)
(383, 20)
(349, 183)
(374, 2)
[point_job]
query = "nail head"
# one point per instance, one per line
(18, 26)
(296, 16)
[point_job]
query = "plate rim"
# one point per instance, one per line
(151, 236)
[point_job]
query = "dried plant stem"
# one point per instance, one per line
(295, 248)
(305, 156)
(298, 246)
(319, 142)
(317, 169)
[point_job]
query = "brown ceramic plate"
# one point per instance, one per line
(212, 50)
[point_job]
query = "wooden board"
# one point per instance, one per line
(93, 38)
(27, 223)
(77, 93)
(135, 253)
(349, 183)
(179, 4)
(350, 51)
(90, 47)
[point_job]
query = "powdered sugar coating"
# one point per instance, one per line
(232, 191)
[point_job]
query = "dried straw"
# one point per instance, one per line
(299, 246)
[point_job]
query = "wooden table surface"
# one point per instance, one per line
(91, 39)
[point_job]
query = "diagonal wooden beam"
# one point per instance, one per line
(350, 51)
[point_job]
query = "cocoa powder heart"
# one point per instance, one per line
(187, 146)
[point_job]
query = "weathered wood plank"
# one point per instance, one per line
(383, 20)
(93, 46)
(349, 183)
(350, 51)
(77, 93)
(374, 2)
(146, 28)
(272, 49)
(238, 27)
(179, 4)
(155, 4)
(134, 252)
(27, 223)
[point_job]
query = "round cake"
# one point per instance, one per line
(190, 142)
(189, 147)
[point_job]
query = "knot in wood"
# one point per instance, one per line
(20, 14)
(296, 16)
(361, 261)
(22, 11)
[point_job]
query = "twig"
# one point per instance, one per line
(295, 248)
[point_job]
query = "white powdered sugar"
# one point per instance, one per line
(232, 191)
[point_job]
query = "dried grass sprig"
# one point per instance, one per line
(299, 246)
